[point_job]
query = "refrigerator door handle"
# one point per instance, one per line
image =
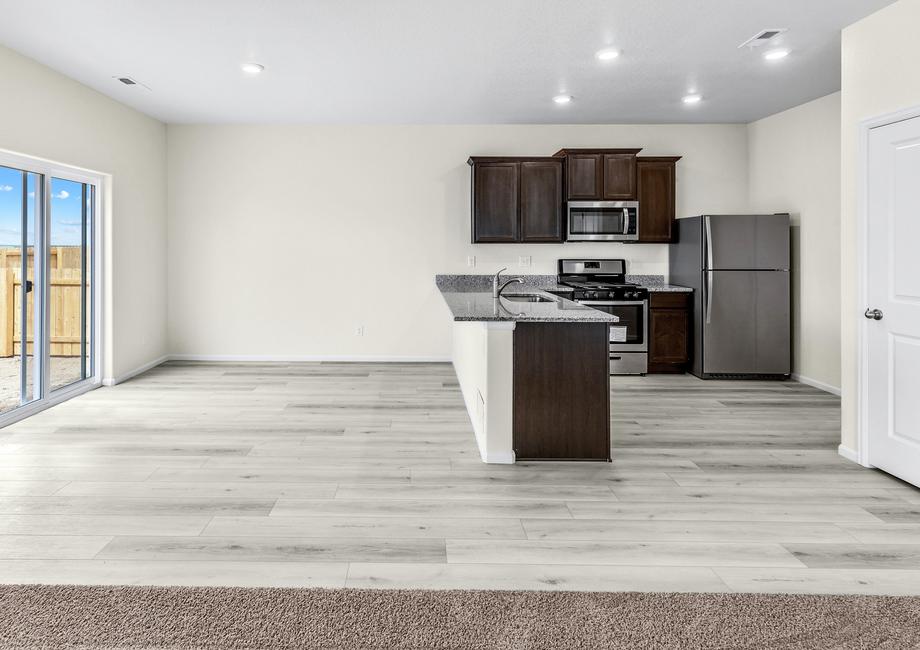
(708, 288)
(708, 242)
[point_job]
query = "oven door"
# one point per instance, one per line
(630, 334)
(603, 221)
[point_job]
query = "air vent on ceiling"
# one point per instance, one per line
(130, 82)
(763, 37)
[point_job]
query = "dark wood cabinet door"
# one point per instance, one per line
(619, 176)
(496, 195)
(656, 191)
(669, 336)
(583, 176)
(541, 201)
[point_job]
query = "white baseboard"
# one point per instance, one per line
(111, 381)
(849, 454)
(265, 358)
(814, 383)
(501, 458)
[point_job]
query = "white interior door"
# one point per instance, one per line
(893, 292)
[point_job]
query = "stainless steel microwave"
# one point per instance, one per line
(603, 221)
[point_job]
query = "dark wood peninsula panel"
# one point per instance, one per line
(561, 391)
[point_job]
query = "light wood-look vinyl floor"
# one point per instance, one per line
(367, 475)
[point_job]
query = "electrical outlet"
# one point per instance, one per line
(359, 330)
(471, 260)
(524, 261)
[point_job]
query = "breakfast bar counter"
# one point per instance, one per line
(533, 370)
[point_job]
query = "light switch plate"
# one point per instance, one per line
(471, 260)
(524, 261)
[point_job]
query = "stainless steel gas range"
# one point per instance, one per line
(601, 284)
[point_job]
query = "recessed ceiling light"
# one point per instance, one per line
(776, 55)
(607, 54)
(252, 68)
(562, 99)
(692, 99)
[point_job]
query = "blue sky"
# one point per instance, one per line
(65, 209)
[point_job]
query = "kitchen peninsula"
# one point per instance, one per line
(533, 370)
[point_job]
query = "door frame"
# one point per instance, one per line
(863, 439)
(50, 169)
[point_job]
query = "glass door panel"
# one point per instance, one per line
(31, 380)
(20, 201)
(69, 288)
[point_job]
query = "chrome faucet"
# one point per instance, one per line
(497, 288)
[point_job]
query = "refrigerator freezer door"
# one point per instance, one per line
(746, 322)
(746, 242)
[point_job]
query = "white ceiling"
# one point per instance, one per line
(438, 61)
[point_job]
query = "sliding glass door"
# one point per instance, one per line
(70, 295)
(48, 311)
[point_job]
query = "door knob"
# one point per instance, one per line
(874, 314)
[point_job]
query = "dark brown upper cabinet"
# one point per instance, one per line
(583, 174)
(619, 176)
(517, 199)
(656, 192)
(599, 174)
(541, 201)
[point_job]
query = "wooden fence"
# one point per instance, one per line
(64, 302)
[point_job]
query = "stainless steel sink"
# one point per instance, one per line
(527, 297)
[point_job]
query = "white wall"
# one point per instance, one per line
(47, 115)
(879, 76)
(794, 166)
(282, 239)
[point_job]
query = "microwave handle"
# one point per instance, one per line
(625, 221)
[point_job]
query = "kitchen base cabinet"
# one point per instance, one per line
(669, 332)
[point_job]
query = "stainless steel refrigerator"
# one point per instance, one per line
(738, 268)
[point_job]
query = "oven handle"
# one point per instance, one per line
(610, 302)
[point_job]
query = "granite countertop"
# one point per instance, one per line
(667, 288)
(481, 306)
(474, 283)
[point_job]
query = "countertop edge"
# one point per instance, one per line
(577, 314)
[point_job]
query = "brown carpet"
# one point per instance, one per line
(347, 619)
